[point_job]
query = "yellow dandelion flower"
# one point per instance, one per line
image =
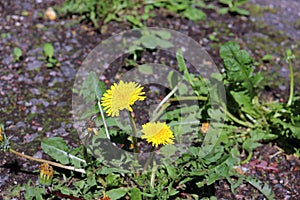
(157, 133)
(121, 96)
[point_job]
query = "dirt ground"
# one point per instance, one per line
(35, 101)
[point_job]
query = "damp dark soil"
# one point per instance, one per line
(35, 100)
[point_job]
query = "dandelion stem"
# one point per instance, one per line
(289, 103)
(134, 138)
(167, 98)
(153, 173)
(185, 98)
(103, 119)
(47, 161)
(150, 158)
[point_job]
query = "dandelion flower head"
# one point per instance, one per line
(157, 133)
(121, 96)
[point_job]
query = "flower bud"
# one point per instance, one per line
(46, 174)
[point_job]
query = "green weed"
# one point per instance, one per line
(239, 125)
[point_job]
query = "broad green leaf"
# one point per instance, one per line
(267, 57)
(17, 54)
(183, 89)
(91, 180)
(163, 43)
(79, 153)
(162, 34)
(57, 148)
(92, 88)
(106, 170)
(149, 41)
(90, 111)
(168, 150)
(48, 50)
(239, 11)
(194, 14)
(227, 2)
(136, 194)
(145, 69)
(115, 194)
(112, 180)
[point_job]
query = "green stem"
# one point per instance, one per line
(243, 123)
(153, 173)
(159, 113)
(134, 138)
(149, 159)
(248, 158)
(47, 161)
(161, 107)
(291, 83)
(185, 98)
(167, 97)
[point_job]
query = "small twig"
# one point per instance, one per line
(47, 161)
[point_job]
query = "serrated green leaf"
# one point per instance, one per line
(239, 71)
(264, 189)
(245, 103)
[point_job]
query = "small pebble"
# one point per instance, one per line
(50, 14)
